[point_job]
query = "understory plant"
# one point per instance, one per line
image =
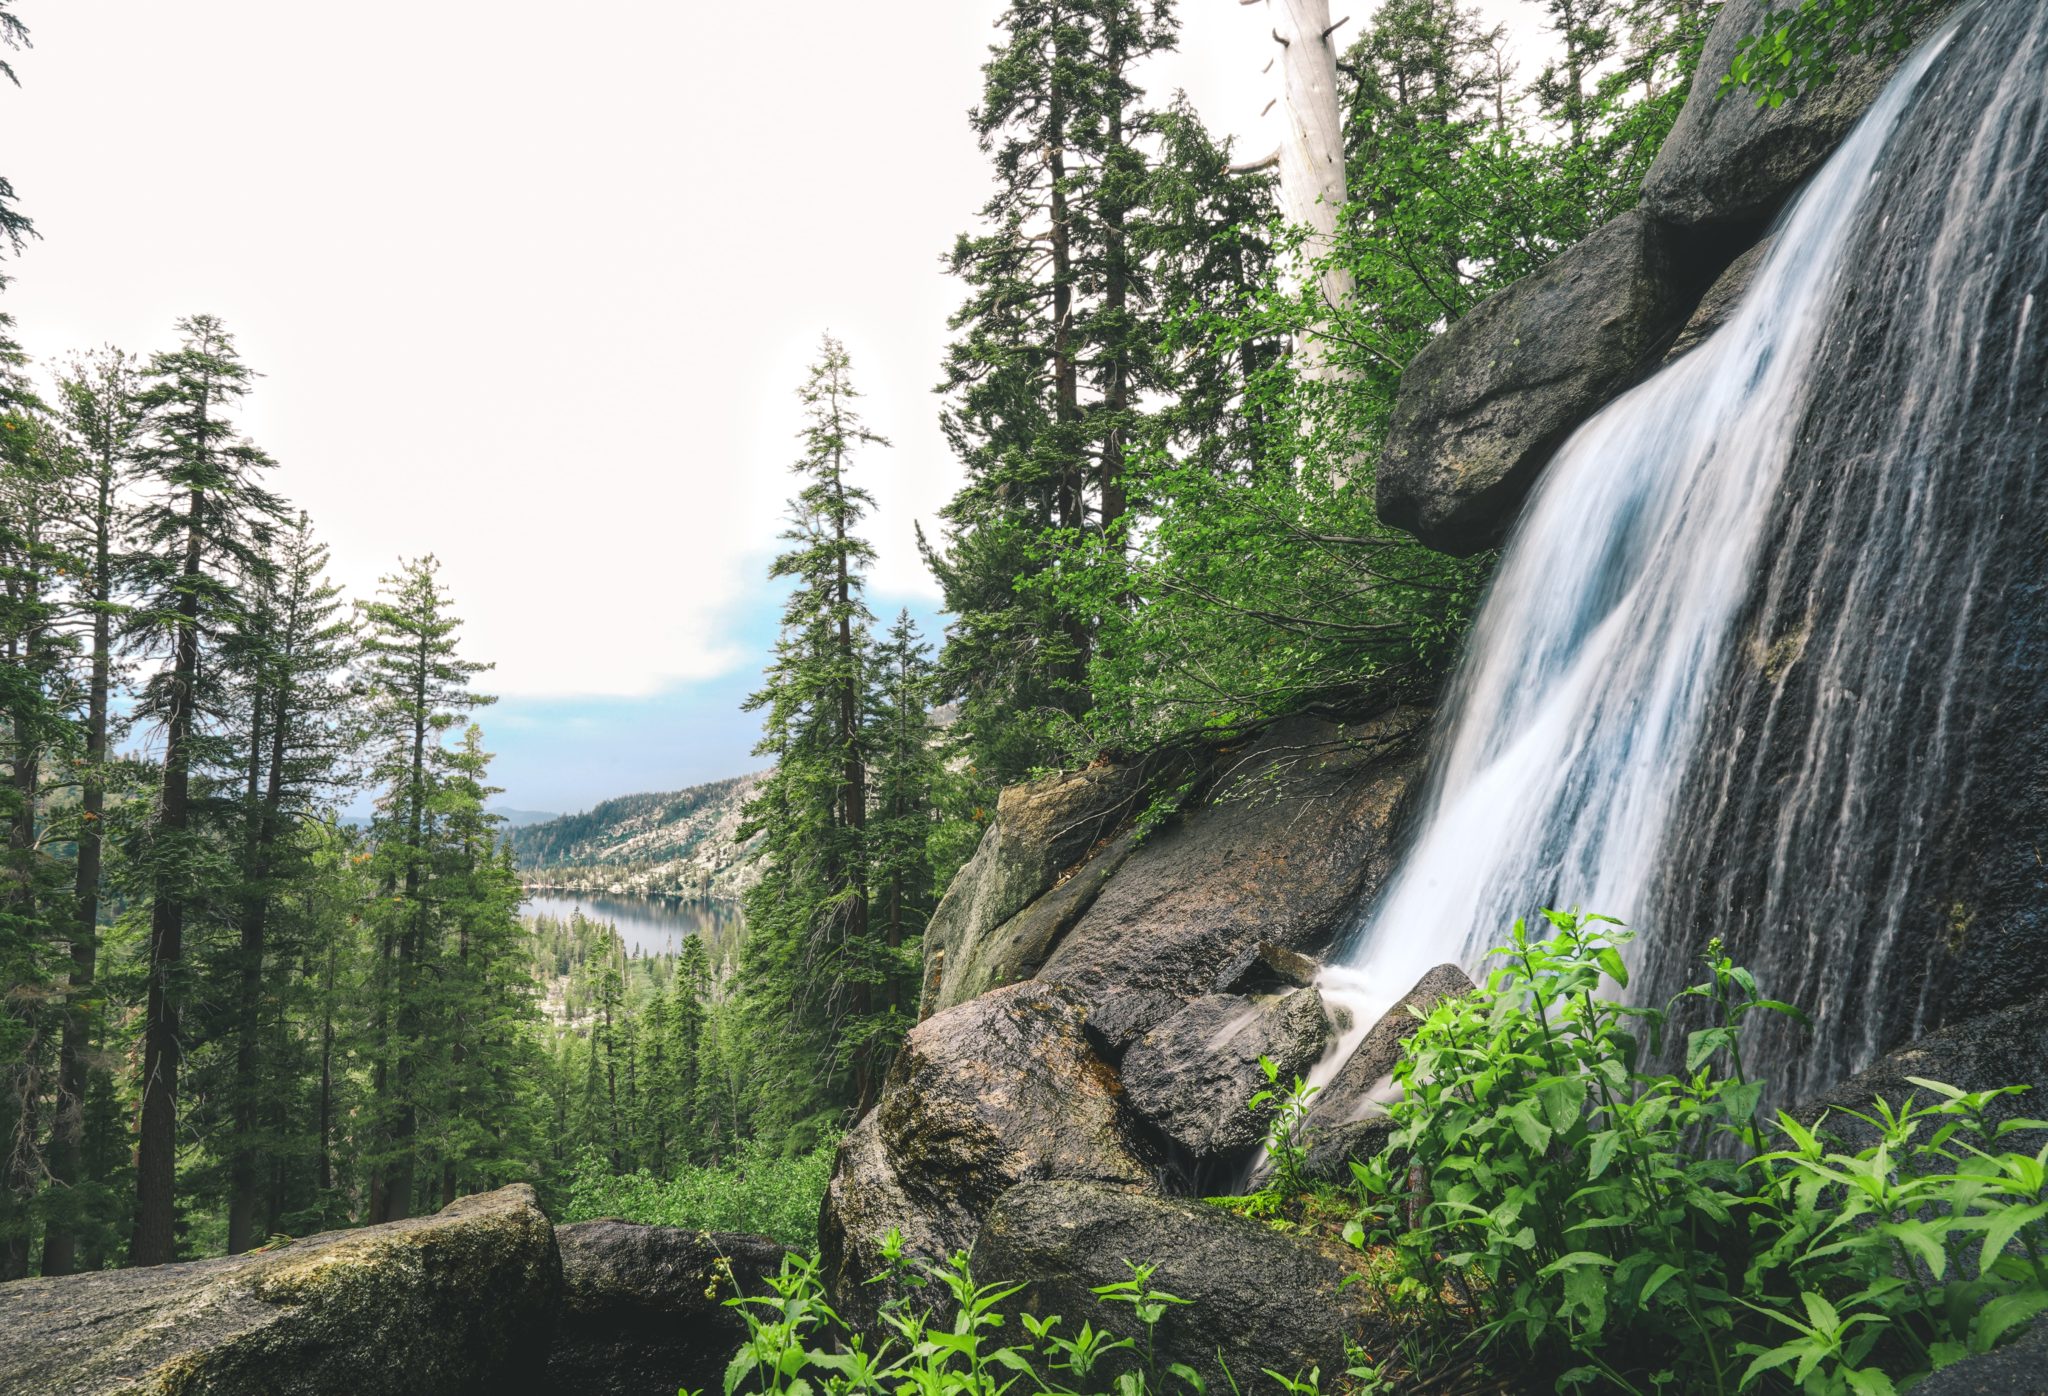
(1555, 1206)
(798, 1345)
(756, 1189)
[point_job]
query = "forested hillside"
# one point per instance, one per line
(682, 843)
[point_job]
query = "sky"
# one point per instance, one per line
(532, 287)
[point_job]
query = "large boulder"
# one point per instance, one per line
(1299, 829)
(1731, 163)
(1194, 1074)
(1486, 403)
(1003, 1090)
(643, 1307)
(1259, 1300)
(1041, 829)
(458, 1302)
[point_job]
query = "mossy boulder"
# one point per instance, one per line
(462, 1301)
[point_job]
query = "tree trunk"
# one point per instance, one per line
(153, 1241)
(67, 1131)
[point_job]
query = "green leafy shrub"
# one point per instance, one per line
(757, 1190)
(797, 1345)
(1555, 1205)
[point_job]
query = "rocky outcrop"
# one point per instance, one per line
(1194, 1074)
(458, 1302)
(1003, 1090)
(1298, 829)
(1258, 1300)
(643, 1307)
(991, 929)
(1718, 305)
(1732, 163)
(1485, 405)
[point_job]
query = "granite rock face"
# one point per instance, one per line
(462, 1301)
(978, 938)
(1299, 827)
(1733, 164)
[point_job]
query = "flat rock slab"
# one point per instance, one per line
(458, 1302)
(643, 1307)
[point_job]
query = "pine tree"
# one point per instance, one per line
(907, 773)
(203, 527)
(101, 410)
(419, 691)
(290, 659)
(812, 960)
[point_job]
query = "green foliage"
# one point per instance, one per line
(756, 1190)
(1286, 1136)
(798, 1344)
(1565, 1209)
(1799, 47)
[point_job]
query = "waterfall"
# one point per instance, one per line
(1617, 738)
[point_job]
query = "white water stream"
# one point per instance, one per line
(1590, 668)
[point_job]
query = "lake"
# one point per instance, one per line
(649, 925)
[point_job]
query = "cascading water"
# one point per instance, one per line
(1600, 746)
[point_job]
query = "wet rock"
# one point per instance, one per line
(1042, 828)
(1194, 1074)
(1269, 968)
(1003, 1090)
(1487, 403)
(1259, 1299)
(643, 1307)
(458, 1302)
(1351, 1093)
(2005, 1048)
(2020, 1368)
(1728, 161)
(1300, 827)
(1334, 1147)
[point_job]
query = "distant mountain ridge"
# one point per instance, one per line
(680, 842)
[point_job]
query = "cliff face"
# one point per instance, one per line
(683, 842)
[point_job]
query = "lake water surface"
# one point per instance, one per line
(649, 925)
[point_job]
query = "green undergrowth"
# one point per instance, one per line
(1550, 1206)
(947, 1333)
(756, 1190)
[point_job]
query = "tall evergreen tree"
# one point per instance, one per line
(290, 656)
(420, 690)
(811, 956)
(203, 526)
(99, 401)
(1053, 355)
